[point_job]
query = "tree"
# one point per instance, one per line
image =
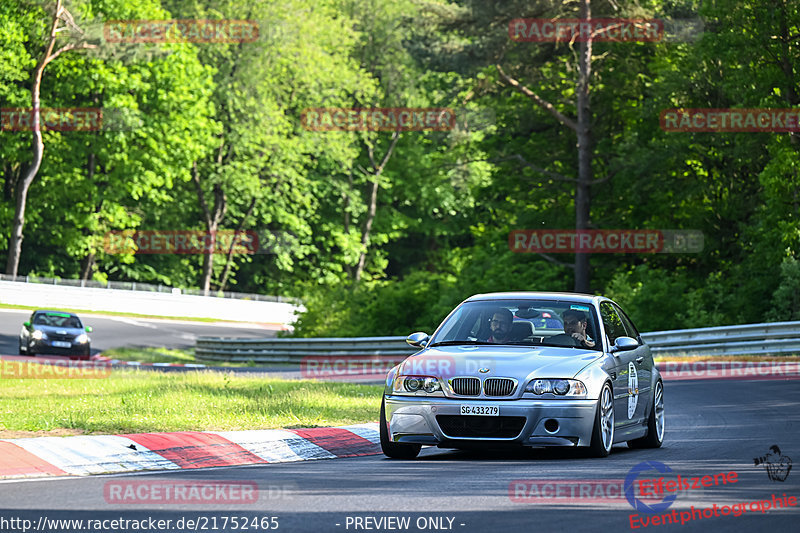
(61, 19)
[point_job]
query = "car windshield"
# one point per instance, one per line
(520, 323)
(59, 321)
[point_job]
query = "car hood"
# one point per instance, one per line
(518, 362)
(58, 330)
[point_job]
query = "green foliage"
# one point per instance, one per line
(786, 299)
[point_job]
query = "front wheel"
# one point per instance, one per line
(603, 430)
(395, 450)
(655, 423)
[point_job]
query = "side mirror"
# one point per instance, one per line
(27, 324)
(88, 329)
(418, 339)
(624, 344)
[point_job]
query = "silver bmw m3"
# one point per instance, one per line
(527, 369)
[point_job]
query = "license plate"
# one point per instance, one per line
(480, 410)
(62, 344)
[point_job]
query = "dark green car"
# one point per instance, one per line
(55, 333)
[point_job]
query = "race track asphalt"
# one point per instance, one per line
(713, 427)
(117, 332)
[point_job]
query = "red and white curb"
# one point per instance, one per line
(111, 454)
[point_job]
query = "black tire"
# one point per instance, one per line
(395, 450)
(652, 439)
(605, 402)
(21, 351)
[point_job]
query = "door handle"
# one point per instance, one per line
(639, 360)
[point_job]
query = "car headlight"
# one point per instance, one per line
(38, 334)
(570, 388)
(417, 384)
(82, 338)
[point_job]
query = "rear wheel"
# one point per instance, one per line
(395, 450)
(603, 431)
(655, 423)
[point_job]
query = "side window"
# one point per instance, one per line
(629, 327)
(611, 322)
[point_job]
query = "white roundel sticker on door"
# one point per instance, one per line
(633, 389)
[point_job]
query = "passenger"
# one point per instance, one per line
(574, 330)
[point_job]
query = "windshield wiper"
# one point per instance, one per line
(463, 343)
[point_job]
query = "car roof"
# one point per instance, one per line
(563, 296)
(60, 313)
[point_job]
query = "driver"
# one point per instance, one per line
(501, 326)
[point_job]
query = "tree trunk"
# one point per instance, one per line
(584, 134)
(213, 218)
(346, 199)
(377, 170)
(88, 262)
(229, 256)
(373, 202)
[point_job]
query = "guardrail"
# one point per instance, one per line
(773, 338)
(751, 339)
(293, 350)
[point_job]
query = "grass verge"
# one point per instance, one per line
(166, 355)
(133, 401)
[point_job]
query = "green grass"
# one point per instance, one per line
(81, 312)
(134, 401)
(166, 355)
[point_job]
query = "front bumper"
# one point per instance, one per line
(413, 420)
(45, 347)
